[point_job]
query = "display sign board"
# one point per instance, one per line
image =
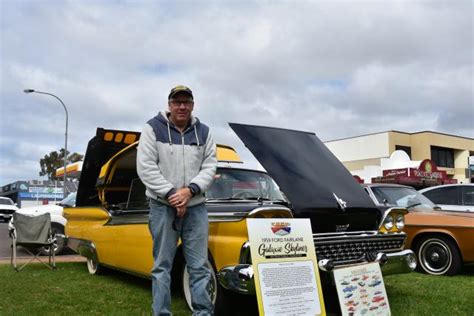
(285, 267)
(361, 290)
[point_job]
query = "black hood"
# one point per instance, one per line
(304, 168)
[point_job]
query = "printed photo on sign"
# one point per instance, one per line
(361, 290)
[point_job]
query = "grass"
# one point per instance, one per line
(72, 291)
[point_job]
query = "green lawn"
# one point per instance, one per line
(70, 290)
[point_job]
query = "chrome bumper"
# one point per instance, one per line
(240, 279)
(399, 262)
(237, 278)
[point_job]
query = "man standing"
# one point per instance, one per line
(176, 161)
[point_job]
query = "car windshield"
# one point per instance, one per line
(401, 196)
(6, 202)
(70, 200)
(243, 184)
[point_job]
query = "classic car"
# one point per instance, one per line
(452, 197)
(7, 208)
(58, 222)
(442, 240)
(109, 223)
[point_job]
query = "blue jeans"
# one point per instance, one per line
(166, 228)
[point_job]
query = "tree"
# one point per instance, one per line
(54, 160)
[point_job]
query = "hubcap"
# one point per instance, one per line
(435, 256)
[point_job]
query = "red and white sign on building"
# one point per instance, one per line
(427, 174)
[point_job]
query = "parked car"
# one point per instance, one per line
(109, 225)
(442, 240)
(452, 197)
(7, 208)
(58, 222)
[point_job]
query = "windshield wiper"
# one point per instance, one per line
(413, 205)
(225, 199)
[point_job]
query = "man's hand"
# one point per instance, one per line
(181, 198)
(181, 211)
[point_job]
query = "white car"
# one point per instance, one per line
(7, 208)
(452, 197)
(58, 222)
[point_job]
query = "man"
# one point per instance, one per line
(176, 161)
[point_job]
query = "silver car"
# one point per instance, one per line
(452, 197)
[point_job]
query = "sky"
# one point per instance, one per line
(335, 68)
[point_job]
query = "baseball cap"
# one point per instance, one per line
(179, 89)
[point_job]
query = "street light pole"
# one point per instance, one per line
(65, 135)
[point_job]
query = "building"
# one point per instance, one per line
(367, 153)
(37, 192)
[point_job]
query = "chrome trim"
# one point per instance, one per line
(245, 257)
(390, 263)
(238, 279)
(85, 248)
(238, 216)
(399, 262)
(402, 210)
(345, 234)
(226, 216)
(272, 208)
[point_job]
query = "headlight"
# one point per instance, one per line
(388, 223)
(400, 222)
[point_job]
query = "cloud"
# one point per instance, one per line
(335, 68)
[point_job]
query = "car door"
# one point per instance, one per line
(468, 198)
(446, 197)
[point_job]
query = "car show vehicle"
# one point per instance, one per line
(58, 222)
(442, 240)
(7, 208)
(109, 224)
(452, 197)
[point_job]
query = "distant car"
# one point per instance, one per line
(452, 197)
(377, 299)
(442, 240)
(58, 222)
(7, 208)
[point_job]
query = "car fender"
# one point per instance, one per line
(430, 231)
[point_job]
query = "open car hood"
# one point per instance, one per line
(304, 168)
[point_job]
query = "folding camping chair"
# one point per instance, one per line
(32, 233)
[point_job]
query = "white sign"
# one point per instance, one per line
(361, 290)
(46, 190)
(286, 272)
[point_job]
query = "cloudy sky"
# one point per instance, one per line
(337, 68)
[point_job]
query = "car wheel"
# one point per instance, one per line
(186, 288)
(59, 246)
(438, 255)
(93, 266)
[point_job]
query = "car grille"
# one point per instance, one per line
(355, 245)
(7, 211)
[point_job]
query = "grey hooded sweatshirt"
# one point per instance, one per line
(168, 160)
